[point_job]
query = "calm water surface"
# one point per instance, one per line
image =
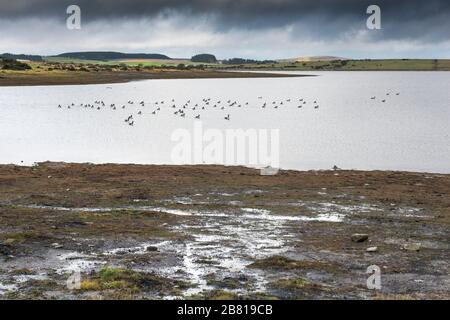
(409, 131)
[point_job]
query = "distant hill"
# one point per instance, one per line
(110, 55)
(313, 58)
(21, 56)
(204, 57)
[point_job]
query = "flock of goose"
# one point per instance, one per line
(387, 94)
(194, 108)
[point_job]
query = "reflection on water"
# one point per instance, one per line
(408, 131)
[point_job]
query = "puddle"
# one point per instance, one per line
(24, 277)
(220, 244)
(77, 262)
(5, 288)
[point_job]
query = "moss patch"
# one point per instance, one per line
(283, 263)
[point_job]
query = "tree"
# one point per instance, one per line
(204, 58)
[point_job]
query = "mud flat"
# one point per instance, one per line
(212, 232)
(104, 77)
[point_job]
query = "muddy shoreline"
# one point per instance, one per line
(213, 232)
(104, 77)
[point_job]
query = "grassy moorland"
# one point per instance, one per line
(65, 71)
(56, 73)
(328, 65)
(351, 65)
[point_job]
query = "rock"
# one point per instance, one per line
(411, 247)
(152, 249)
(56, 245)
(359, 237)
(5, 249)
(372, 249)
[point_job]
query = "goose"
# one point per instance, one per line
(140, 112)
(373, 98)
(197, 117)
(227, 117)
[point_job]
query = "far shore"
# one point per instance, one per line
(107, 77)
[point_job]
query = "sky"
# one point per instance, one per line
(256, 29)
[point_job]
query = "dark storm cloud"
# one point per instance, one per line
(246, 13)
(401, 19)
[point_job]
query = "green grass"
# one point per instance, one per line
(355, 65)
(77, 61)
(137, 62)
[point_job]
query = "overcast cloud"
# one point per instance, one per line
(246, 28)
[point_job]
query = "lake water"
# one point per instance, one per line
(409, 131)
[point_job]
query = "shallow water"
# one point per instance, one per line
(408, 131)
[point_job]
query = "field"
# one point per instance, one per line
(354, 65)
(51, 73)
(129, 62)
(65, 71)
(325, 65)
